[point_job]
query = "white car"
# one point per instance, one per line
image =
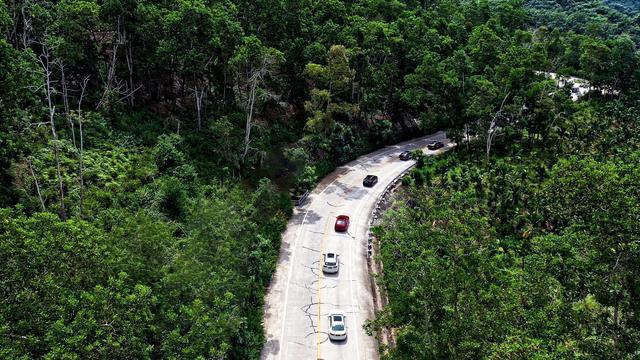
(337, 325)
(330, 264)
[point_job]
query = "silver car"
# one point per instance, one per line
(330, 264)
(337, 325)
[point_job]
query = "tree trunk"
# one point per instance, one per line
(491, 133)
(26, 28)
(65, 100)
(56, 153)
(251, 100)
(198, 94)
(45, 61)
(81, 170)
(81, 153)
(129, 58)
(35, 180)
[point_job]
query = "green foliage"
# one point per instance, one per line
(167, 154)
(47, 264)
(70, 33)
(169, 114)
(329, 96)
(136, 284)
(523, 257)
(5, 19)
(18, 106)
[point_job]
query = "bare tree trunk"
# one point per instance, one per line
(251, 100)
(111, 71)
(491, 133)
(224, 87)
(81, 153)
(129, 58)
(26, 28)
(45, 62)
(35, 180)
(56, 152)
(253, 75)
(65, 100)
(204, 100)
(467, 136)
(199, 96)
(65, 92)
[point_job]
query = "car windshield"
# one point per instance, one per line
(338, 327)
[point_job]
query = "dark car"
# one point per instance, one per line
(342, 223)
(370, 180)
(405, 155)
(434, 145)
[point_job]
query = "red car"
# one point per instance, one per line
(342, 223)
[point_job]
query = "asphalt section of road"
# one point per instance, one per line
(301, 296)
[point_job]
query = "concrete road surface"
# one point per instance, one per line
(300, 297)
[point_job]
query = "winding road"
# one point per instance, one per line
(300, 296)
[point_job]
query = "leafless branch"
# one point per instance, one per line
(492, 131)
(130, 94)
(85, 81)
(35, 180)
(46, 61)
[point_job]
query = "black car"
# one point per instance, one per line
(434, 145)
(370, 180)
(405, 155)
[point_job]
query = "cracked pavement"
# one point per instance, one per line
(301, 296)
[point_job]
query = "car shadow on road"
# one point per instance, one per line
(330, 276)
(340, 342)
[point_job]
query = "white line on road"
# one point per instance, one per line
(293, 256)
(358, 164)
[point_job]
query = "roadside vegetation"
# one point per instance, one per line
(523, 243)
(530, 254)
(147, 151)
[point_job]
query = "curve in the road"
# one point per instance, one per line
(292, 330)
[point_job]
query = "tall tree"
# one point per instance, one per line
(254, 65)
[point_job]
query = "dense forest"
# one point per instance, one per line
(524, 243)
(147, 149)
(588, 17)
